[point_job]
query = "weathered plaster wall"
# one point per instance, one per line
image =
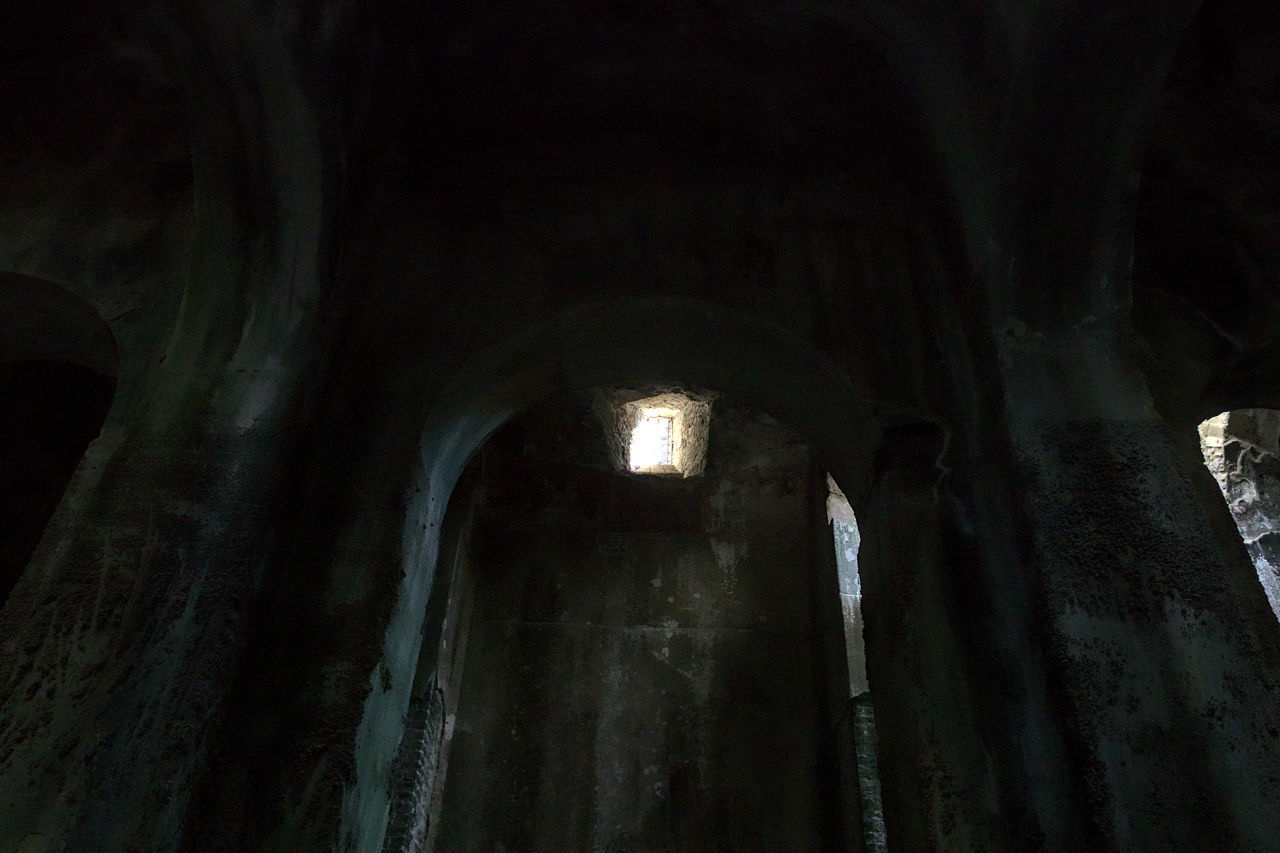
(642, 665)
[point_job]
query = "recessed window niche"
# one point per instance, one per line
(663, 434)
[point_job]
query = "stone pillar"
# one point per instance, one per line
(1163, 655)
(121, 639)
(938, 789)
(125, 631)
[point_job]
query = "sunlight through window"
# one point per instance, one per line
(664, 435)
(651, 442)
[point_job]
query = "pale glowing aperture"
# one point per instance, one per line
(651, 442)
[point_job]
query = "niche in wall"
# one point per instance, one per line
(57, 381)
(663, 433)
(50, 414)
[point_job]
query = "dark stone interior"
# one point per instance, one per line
(52, 411)
(643, 665)
(359, 274)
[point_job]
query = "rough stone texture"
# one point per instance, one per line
(1242, 451)
(1206, 246)
(619, 409)
(122, 637)
(655, 636)
(913, 571)
(857, 714)
(1165, 599)
(875, 838)
(992, 260)
(413, 776)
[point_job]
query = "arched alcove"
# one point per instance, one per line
(630, 658)
(57, 378)
(619, 344)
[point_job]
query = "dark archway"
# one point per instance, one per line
(57, 379)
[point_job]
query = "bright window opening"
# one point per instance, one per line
(844, 527)
(652, 442)
(1242, 450)
(661, 434)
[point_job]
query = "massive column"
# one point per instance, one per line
(1160, 647)
(122, 636)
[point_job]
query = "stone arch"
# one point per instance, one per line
(58, 363)
(1087, 131)
(1205, 253)
(646, 340)
(1205, 259)
(547, 533)
(43, 321)
(676, 341)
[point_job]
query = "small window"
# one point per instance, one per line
(662, 434)
(656, 445)
(652, 442)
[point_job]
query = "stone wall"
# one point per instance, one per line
(643, 668)
(1242, 450)
(413, 775)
